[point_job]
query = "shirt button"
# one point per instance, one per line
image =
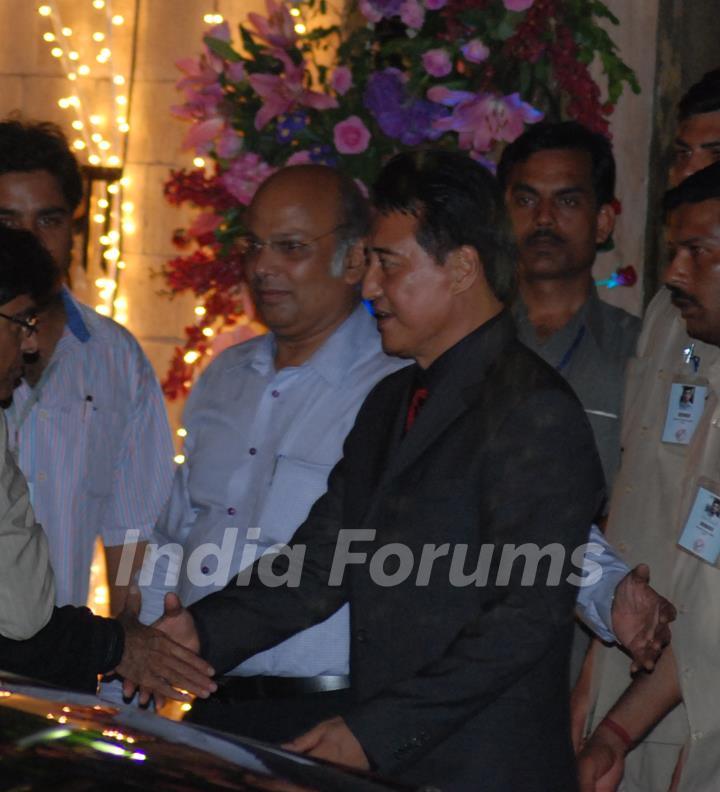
(622, 547)
(253, 451)
(43, 414)
(41, 476)
(361, 636)
(205, 570)
(231, 511)
(275, 394)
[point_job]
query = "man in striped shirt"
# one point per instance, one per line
(87, 423)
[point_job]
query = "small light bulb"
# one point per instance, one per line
(49, 36)
(191, 357)
(79, 145)
(208, 332)
(99, 4)
(104, 239)
(199, 162)
(208, 19)
(300, 29)
(105, 52)
(125, 181)
(121, 317)
(121, 100)
(56, 52)
(98, 36)
(118, 19)
(78, 125)
(127, 206)
(103, 203)
(103, 310)
(98, 218)
(44, 10)
(121, 303)
(93, 159)
(200, 310)
(111, 254)
(118, 79)
(179, 459)
(96, 120)
(295, 12)
(113, 161)
(181, 432)
(128, 227)
(186, 707)
(67, 32)
(114, 236)
(124, 128)
(74, 56)
(104, 145)
(113, 189)
(64, 103)
(96, 137)
(120, 265)
(83, 70)
(72, 76)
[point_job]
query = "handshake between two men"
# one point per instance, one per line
(162, 660)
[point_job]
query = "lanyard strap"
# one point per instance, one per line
(565, 360)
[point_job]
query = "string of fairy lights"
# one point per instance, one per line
(98, 97)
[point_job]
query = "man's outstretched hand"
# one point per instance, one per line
(641, 618)
(333, 741)
(162, 659)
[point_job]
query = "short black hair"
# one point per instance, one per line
(456, 202)
(40, 146)
(703, 185)
(564, 135)
(26, 267)
(702, 97)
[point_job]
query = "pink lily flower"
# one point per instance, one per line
(283, 93)
(278, 29)
(518, 5)
(203, 134)
(481, 119)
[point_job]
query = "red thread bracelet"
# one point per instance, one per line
(619, 731)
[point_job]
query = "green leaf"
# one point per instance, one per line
(222, 48)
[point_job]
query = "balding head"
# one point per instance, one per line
(328, 193)
(302, 265)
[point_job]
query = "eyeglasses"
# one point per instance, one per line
(251, 247)
(28, 325)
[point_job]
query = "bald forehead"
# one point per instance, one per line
(313, 187)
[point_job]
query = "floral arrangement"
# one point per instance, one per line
(392, 74)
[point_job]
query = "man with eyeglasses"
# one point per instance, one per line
(68, 646)
(265, 425)
(87, 421)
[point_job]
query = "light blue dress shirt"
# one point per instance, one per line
(93, 441)
(260, 446)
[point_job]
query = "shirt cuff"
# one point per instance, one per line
(595, 600)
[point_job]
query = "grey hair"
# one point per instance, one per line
(354, 222)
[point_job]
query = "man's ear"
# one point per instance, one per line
(355, 263)
(464, 268)
(605, 224)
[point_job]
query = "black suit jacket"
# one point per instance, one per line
(461, 686)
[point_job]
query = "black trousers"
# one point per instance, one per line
(269, 719)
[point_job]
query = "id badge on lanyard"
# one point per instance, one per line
(686, 401)
(701, 533)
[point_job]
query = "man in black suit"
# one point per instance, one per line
(459, 658)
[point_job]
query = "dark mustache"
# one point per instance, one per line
(543, 235)
(680, 295)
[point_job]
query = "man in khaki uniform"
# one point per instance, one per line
(660, 512)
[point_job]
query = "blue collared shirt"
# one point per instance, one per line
(260, 446)
(93, 441)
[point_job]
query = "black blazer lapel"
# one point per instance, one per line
(461, 387)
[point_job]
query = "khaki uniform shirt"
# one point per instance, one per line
(27, 586)
(652, 498)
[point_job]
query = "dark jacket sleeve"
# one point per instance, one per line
(545, 484)
(71, 650)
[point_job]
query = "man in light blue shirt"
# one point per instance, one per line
(265, 425)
